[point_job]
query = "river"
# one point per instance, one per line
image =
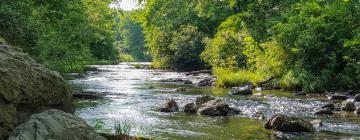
(133, 96)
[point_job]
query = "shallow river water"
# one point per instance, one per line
(133, 96)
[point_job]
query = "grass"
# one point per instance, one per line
(229, 78)
(123, 128)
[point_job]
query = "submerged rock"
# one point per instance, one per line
(302, 93)
(169, 106)
(357, 98)
(329, 105)
(245, 90)
(288, 124)
(27, 87)
(188, 82)
(348, 106)
(325, 111)
(214, 108)
(56, 125)
(203, 99)
(190, 108)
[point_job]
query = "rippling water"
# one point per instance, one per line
(133, 95)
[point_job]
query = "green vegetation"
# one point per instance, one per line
(311, 45)
(122, 128)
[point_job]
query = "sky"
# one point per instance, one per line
(125, 5)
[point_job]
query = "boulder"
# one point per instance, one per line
(329, 105)
(357, 98)
(288, 124)
(190, 108)
(357, 110)
(54, 124)
(325, 111)
(348, 106)
(244, 90)
(337, 96)
(214, 108)
(26, 88)
(169, 106)
(203, 99)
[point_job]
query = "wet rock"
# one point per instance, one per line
(203, 99)
(357, 110)
(169, 106)
(348, 106)
(205, 82)
(325, 111)
(329, 105)
(188, 82)
(233, 111)
(27, 87)
(302, 93)
(357, 98)
(214, 108)
(288, 124)
(338, 96)
(190, 108)
(245, 90)
(258, 115)
(56, 125)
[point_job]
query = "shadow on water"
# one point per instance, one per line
(135, 94)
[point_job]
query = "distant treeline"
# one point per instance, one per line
(66, 35)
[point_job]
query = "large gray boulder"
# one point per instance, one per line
(288, 124)
(56, 125)
(169, 106)
(214, 108)
(26, 88)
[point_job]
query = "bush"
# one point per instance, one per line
(231, 78)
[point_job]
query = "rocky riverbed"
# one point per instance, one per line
(135, 96)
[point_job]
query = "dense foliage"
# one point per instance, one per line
(311, 45)
(131, 37)
(64, 35)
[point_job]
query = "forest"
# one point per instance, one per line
(310, 45)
